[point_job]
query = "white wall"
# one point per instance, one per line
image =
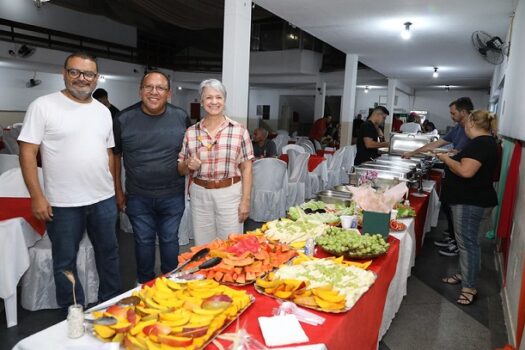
(59, 18)
(436, 103)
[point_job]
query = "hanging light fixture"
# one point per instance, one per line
(366, 89)
(435, 74)
(405, 34)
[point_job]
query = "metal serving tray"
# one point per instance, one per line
(335, 197)
(401, 143)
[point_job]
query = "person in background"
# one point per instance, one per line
(469, 191)
(459, 109)
(396, 123)
(356, 125)
(148, 135)
(262, 147)
(74, 135)
(429, 128)
(217, 152)
(319, 129)
(412, 125)
(101, 96)
(369, 136)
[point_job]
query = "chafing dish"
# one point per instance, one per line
(335, 197)
(401, 143)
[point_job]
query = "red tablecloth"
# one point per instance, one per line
(322, 152)
(20, 207)
(420, 205)
(356, 329)
(313, 161)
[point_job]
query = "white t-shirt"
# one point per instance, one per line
(74, 139)
(410, 128)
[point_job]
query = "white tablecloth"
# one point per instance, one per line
(398, 287)
(16, 236)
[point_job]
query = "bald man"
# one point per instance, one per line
(262, 147)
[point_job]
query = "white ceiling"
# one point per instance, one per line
(441, 35)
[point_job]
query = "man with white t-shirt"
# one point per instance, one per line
(74, 135)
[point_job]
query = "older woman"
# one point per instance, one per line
(217, 152)
(469, 191)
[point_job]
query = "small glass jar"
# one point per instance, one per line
(75, 321)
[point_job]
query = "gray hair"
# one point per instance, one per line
(214, 84)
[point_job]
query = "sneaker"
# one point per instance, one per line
(450, 250)
(445, 242)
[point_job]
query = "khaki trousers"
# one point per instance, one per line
(214, 212)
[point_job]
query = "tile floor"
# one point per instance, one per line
(429, 317)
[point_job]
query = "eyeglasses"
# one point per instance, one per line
(150, 88)
(75, 73)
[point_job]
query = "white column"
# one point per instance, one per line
(320, 98)
(236, 57)
(391, 95)
(348, 99)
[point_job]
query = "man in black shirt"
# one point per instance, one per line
(262, 147)
(101, 96)
(369, 137)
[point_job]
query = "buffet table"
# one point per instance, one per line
(19, 230)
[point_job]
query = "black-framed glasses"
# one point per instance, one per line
(150, 88)
(75, 73)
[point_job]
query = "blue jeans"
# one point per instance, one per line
(468, 221)
(150, 217)
(66, 231)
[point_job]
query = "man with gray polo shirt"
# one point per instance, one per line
(148, 136)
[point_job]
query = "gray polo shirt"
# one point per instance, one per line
(150, 146)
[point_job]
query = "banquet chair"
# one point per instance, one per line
(282, 132)
(38, 287)
(317, 145)
(308, 146)
(334, 169)
(348, 163)
(280, 141)
(269, 189)
(10, 142)
(297, 177)
(296, 148)
(8, 161)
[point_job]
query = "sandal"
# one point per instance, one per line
(454, 279)
(466, 297)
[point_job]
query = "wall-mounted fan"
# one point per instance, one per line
(33, 82)
(492, 48)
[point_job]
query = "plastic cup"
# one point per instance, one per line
(348, 221)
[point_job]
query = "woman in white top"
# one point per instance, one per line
(412, 125)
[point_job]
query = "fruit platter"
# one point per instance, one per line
(320, 284)
(397, 226)
(404, 211)
(291, 232)
(170, 315)
(351, 244)
(244, 258)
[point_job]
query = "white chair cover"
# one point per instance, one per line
(8, 161)
(334, 168)
(348, 162)
(38, 283)
(269, 189)
(308, 146)
(12, 183)
(297, 178)
(293, 147)
(282, 132)
(317, 145)
(280, 141)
